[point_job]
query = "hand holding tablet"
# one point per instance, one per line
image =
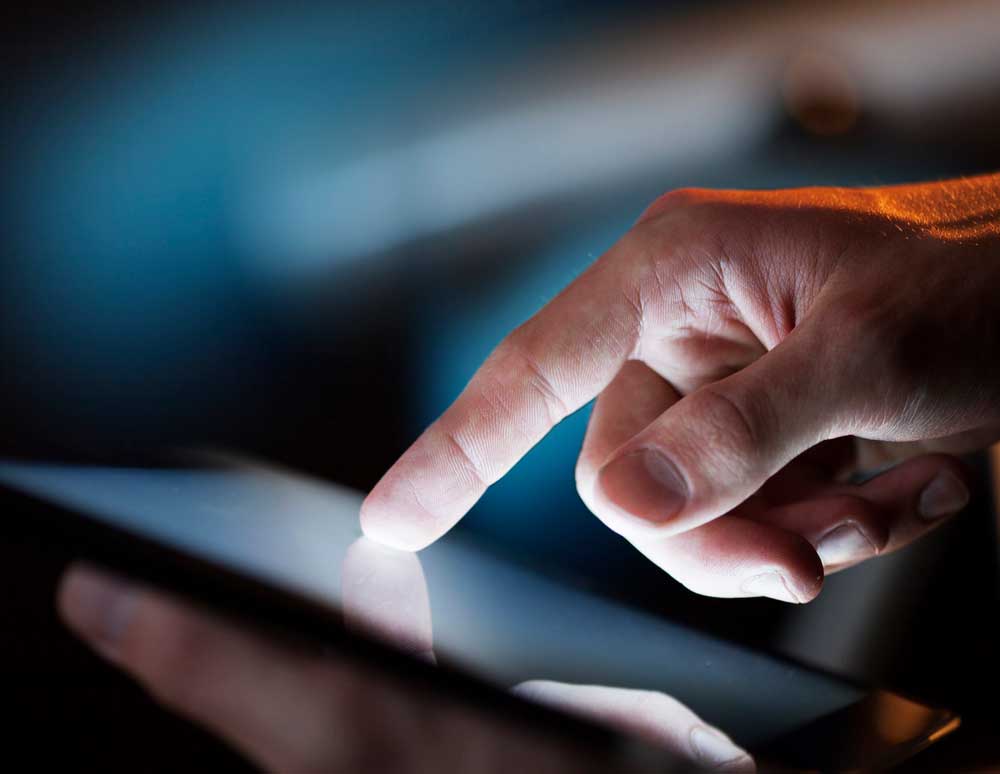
(290, 709)
(302, 609)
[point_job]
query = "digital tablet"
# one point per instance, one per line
(269, 545)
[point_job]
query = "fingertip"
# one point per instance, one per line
(66, 589)
(388, 527)
(843, 529)
(907, 480)
(807, 588)
(919, 494)
(945, 495)
(644, 484)
(536, 690)
(798, 565)
(805, 572)
(80, 586)
(857, 531)
(392, 535)
(96, 606)
(783, 586)
(715, 751)
(799, 573)
(641, 496)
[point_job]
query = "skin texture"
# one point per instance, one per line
(297, 711)
(748, 351)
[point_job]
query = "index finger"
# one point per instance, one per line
(543, 371)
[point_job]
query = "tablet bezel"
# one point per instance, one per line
(295, 616)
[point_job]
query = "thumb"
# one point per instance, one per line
(714, 448)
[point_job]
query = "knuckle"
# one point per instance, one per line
(673, 200)
(519, 362)
(708, 244)
(732, 427)
(475, 471)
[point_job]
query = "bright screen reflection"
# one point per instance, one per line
(471, 609)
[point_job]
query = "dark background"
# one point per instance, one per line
(294, 230)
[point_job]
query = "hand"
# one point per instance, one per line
(291, 710)
(748, 351)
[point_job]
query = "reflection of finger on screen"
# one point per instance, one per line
(385, 595)
(651, 715)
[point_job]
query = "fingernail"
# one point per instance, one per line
(644, 483)
(97, 607)
(713, 749)
(845, 543)
(769, 584)
(943, 496)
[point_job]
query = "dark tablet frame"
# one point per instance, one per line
(848, 739)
